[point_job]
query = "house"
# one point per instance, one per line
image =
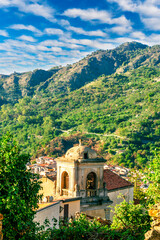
(47, 187)
(56, 210)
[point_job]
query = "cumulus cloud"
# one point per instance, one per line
(53, 31)
(77, 30)
(121, 29)
(4, 33)
(26, 27)
(127, 5)
(33, 7)
(149, 11)
(27, 38)
(92, 14)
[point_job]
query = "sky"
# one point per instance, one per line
(41, 34)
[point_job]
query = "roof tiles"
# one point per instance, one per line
(114, 181)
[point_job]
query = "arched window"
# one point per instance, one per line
(91, 184)
(65, 183)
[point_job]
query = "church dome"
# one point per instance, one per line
(81, 152)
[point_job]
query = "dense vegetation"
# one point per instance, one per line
(110, 96)
(19, 198)
(19, 189)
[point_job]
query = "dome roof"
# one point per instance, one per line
(81, 152)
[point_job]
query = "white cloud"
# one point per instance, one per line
(26, 27)
(121, 29)
(152, 23)
(127, 5)
(27, 38)
(53, 31)
(94, 44)
(65, 42)
(32, 7)
(138, 35)
(3, 33)
(64, 23)
(88, 14)
(149, 11)
(91, 14)
(38, 10)
(77, 30)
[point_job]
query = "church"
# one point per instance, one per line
(81, 178)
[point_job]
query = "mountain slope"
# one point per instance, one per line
(119, 110)
(18, 85)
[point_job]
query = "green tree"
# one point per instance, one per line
(132, 218)
(153, 176)
(18, 188)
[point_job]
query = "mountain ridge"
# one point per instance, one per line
(71, 76)
(118, 111)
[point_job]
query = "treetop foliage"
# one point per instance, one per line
(19, 189)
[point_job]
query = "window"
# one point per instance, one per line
(91, 184)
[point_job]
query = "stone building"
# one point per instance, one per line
(80, 174)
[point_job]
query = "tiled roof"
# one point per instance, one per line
(43, 165)
(114, 181)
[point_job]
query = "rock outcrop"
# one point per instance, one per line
(154, 233)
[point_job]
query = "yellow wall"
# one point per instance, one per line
(47, 187)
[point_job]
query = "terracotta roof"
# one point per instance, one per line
(50, 158)
(114, 181)
(43, 165)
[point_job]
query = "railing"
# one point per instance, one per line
(91, 192)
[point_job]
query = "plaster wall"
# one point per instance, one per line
(47, 187)
(74, 206)
(49, 213)
(127, 194)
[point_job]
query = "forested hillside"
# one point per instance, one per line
(111, 97)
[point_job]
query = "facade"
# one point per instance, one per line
(60, 209)
(48, 211)
(80, 174)
(47, 188)
(118, 189)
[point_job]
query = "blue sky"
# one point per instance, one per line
(46, 33)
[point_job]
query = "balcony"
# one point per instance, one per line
(91, 192)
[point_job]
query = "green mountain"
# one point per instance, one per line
(19, 85)
(110, 98)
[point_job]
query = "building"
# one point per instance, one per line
(117, 189)
(81, 174)
(56, 210)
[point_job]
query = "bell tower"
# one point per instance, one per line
(80, 174)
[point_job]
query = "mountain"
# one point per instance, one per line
(111, 97)
(18, 85)
(58, 79)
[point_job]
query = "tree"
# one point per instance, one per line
(153, 176)
(132, 218)
(18, 188)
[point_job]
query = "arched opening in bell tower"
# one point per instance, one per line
(65, 183)
(91, 185)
